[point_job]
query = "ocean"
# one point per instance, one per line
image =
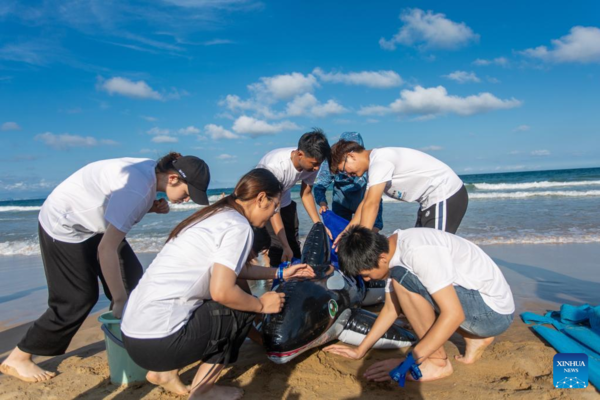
(539, 208)
(545, 207)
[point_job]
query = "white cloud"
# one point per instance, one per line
(164, 139)
(158, 131)
(148, 118)
(462, 76)
(329, 108)
(522, 128)
(128, 88)
(254, 127)
(10, 126)
(190, 130)
(431, 148)
(501, 61)
(307, 104)
(225, 157)
(66, 141)
(262, 107)
(283, 87)
(434, 101)
(429, 31)
(540, 153)
(374, 79)
(218, 132)
(581, 45)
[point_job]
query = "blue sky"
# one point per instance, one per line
(484, 87)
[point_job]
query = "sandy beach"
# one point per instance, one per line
(517, 365)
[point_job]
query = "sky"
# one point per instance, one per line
(485, 87)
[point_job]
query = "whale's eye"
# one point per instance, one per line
(333, 308)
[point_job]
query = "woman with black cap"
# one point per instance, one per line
(82, 228)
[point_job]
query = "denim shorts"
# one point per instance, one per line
(480, 319)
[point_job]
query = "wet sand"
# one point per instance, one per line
(517, 365)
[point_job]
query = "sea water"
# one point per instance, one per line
(540, 207)
(543, 207)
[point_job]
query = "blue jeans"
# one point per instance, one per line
(480, 319)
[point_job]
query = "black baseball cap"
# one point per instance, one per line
(196, 174)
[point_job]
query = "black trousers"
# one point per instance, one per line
(445, 215)
(214, 334)
(72, 272)
(289, 216)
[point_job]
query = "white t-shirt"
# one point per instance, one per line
(412, 175)
(178, 280)
(440, 259)
(118, 192)
(279, 162)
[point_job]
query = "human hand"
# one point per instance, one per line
(380, 371)
(272, 302)
(117, 308)
(345, 351)
(323, 207)
(298, 271)
(160, 207)
(287, 254)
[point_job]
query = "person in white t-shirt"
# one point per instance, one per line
(291, 165)
(82, 228)
(405, 175)
(189, 305)
(441, 282)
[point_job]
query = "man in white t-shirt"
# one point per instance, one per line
(441, 282)
(405, 175)
(291, 165)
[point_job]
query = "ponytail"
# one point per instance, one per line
(165, 164)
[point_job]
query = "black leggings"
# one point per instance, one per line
(72, 272)
(213, 334)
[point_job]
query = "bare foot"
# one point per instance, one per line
(433, 369)
(19, 365)
(219, 393)
(474, 350)
(169, 381)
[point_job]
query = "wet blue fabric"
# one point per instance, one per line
(348, 192)
(576, 331)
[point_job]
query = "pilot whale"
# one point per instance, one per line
(322, 309)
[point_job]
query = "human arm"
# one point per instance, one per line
(279, 230)
(224, 290)
(450, 317)
(309, 202)
(367, 210)
(257, 272)
(384, 321)
(108, 256)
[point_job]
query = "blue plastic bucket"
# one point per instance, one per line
(123, 371)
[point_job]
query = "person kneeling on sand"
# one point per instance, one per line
(441, 282)
(190, 306)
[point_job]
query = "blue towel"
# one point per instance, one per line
(577, 331)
